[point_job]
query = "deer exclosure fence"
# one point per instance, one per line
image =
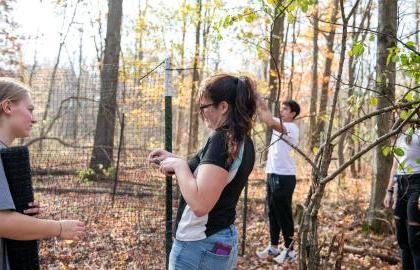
(130, 207)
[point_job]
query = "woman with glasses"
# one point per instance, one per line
(211, 182)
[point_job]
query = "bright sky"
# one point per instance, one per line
(43, 19)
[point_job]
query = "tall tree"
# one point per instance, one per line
(102, 153)
(274, 77)
(314, 83)
(323, 102)
(385, 85)
(180, 118)
(356, 43)
(194, 110)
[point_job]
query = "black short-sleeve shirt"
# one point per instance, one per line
(188, 227)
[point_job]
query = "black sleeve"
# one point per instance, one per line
(194, 162)
(215, 152)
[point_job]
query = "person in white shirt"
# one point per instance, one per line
(405, 181)
(281, 177)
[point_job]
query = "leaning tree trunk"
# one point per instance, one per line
(102, 154)
(385, 85)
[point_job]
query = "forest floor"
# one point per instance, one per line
(343, 213)
(130, 233)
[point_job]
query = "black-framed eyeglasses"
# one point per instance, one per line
(202, 107)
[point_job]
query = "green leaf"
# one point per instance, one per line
(357, 49)
(323, 117)
(372, 37)
(228, 21)
(290, 18)
(418, 161)
(401, 166)
(404, 60)
(249, 15)
(410, 97)
(386, 150)
(409, 169)
(410, 131)
(395, 58)
(304, 7)
(399, 151)
(411, 45)
(373, 101)
(403, 114)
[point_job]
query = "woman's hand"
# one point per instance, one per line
(71, 229)
(35, 209)
(171, 164)
(388, 200)
(156, 156)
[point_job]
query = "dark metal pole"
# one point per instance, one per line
(117, 167)
(168, 147)
(244, 218)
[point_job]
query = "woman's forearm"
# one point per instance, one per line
(188, 186)
(16, 226)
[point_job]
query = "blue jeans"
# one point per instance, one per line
(198, 254)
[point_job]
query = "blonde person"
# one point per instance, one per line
(16, 121)
(212, 181)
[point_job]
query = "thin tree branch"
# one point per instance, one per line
(365, 150)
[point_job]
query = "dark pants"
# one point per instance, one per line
(279, 199)
(406, 212)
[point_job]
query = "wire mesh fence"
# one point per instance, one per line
(124, 210)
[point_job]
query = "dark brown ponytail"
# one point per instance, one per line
(239, 93)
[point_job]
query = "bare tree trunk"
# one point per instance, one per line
(194, 110)
(322, 111)
(102, 153)
(385, 84)
(417, 14)
(314, 88)
(180, 121)
(309, 253)
(292, 67)
(79, 82)
(208, 14)
(139, 38)
(274, 76)
(352, 69)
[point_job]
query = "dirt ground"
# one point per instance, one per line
(130, 233)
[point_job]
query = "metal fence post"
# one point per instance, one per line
(244, 218)
(168, 147)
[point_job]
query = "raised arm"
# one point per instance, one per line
(266, 116)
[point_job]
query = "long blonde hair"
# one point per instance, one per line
(12, 90)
